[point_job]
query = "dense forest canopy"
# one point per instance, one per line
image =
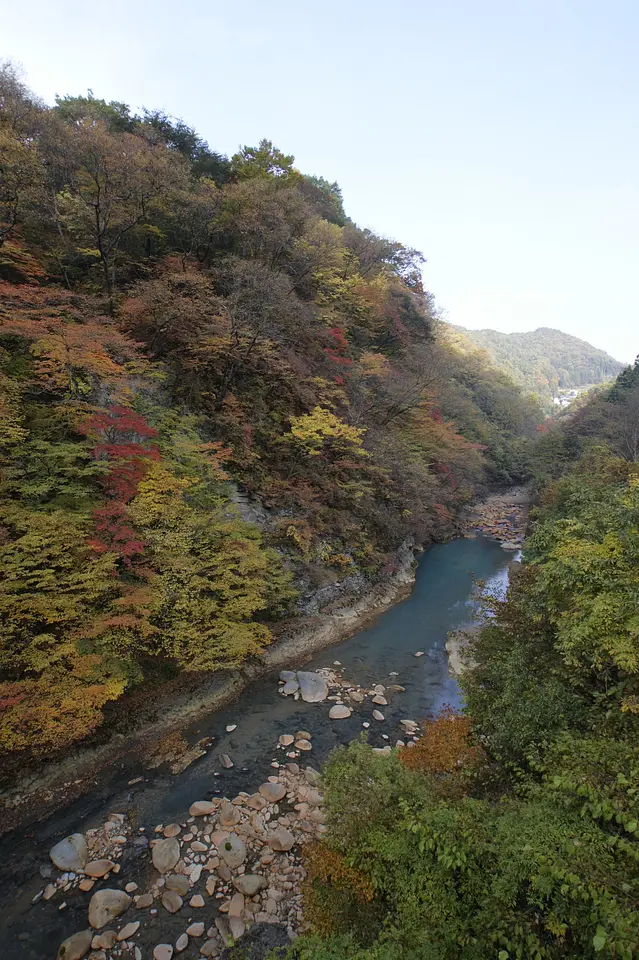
(544, 361)
(181, 331)
(512, 830)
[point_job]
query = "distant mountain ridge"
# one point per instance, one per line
(544, 361)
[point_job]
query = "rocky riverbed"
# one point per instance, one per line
(503, 516)
(229, 868)
(155, 730)
(194, 886)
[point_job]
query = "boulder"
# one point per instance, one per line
(281, 839)
(303, 745)
(104, 940)
(172, 901)
(226, 761)
(339, 712)
(273, 792)
(378, 715)
(166, 854)
(233, 851)
(106, 905)
(218, 836)
(356, 696)
(97, 868)
(129, 930)
(179, 883)
(249, 884)
(195, 930)
(197, 901)
(229, 815)
(75, 947)
(313, 687)
(202, 808)
(237, 927)
(290, 687)
(223, 929)
(380, 700)
(286, 739)
(70, 854)
(163, 951)
(181, 943)
(236, 905)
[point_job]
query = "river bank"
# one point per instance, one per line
(38, 794)
(151, 729)
(503, 516)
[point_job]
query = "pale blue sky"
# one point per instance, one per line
(500, 138)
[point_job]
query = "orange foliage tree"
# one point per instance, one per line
(446, 750)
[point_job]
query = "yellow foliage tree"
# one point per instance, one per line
(312, 431)
(212, 576)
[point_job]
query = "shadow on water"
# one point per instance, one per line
(443, 599)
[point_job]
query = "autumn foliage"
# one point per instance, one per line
(181, 332)
(333, 889)
(447, 751)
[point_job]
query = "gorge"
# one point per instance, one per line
(442, 600)
(229, 418)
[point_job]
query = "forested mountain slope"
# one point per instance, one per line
(545, 361)
(179, 331)
(512, 830)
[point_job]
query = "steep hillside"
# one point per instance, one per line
(512, 830)
(545, 361)
(181, 332)
(608, 418)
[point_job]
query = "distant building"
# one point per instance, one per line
(565, 398)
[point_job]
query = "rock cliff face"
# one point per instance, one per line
(344, 616)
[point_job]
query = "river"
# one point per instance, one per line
(442, 600)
